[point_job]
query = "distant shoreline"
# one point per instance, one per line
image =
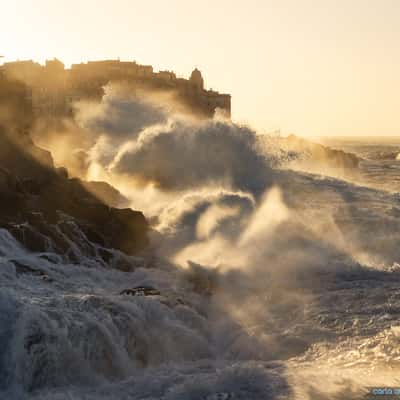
(359, 139)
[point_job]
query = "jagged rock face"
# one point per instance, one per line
(15, 106)
(301, 154)
(36, 195)
(323, 154)
(18, 154)
(43, 205)
(141, 291)
(106, 193)
(22, 158)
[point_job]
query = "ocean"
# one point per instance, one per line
(260, 282)
(380, 165)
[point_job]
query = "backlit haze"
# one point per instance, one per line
(328, 67)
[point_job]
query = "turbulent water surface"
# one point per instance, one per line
(278, 285)
(380, 165)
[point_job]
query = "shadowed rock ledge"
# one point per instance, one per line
(34, 193)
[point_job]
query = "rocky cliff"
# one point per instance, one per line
(300, 154)
(40, 204)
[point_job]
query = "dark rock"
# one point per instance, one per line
(323, 154)
(63, 172)
(203, 281)
(30, 238)
(47, 278)
(141, 291)
(33, 193)
(105, 254)
(106, 193)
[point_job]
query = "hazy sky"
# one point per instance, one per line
(310, 67)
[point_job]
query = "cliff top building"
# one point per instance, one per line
(196, 79)
(55, 88)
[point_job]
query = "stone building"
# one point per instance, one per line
(55, 89)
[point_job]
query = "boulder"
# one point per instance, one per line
(141, 291)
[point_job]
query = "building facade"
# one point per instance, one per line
(55, 88)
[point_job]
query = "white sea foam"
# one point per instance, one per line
(273, 284)
(301, 300)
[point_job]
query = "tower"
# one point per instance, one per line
(197, 80)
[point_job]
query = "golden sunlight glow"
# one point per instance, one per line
(328, 67)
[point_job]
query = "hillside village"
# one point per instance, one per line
(53, 89)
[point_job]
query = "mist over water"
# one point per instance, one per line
(273, 284)
(381, 159)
